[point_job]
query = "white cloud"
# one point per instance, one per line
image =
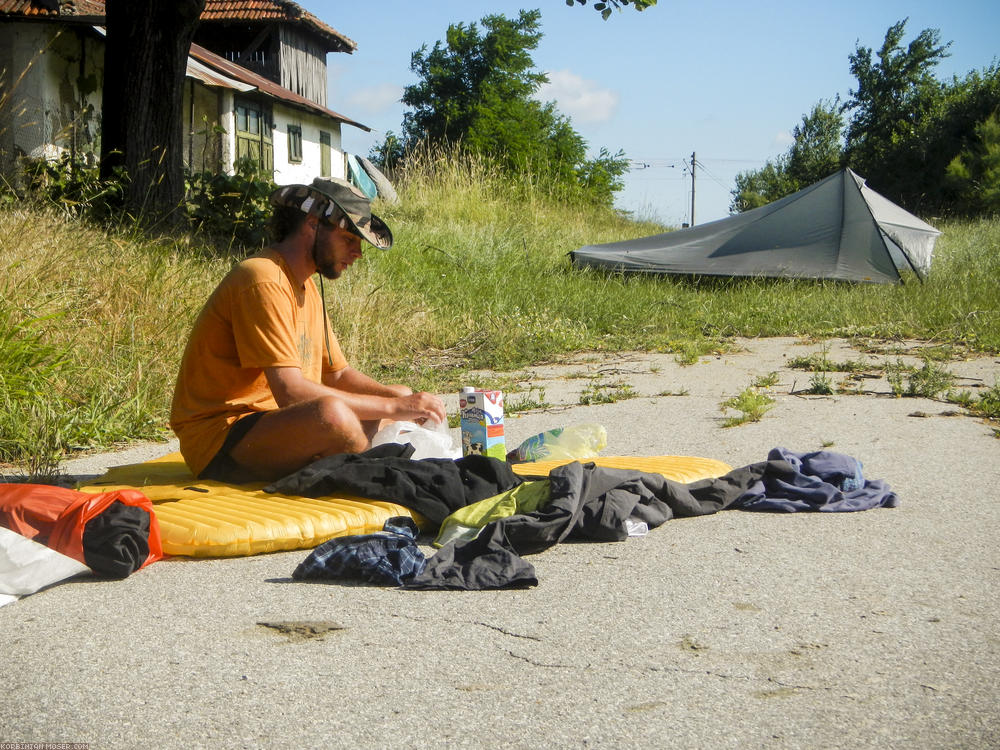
(580, 99)
(377, 100)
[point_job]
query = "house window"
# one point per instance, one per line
(253, 134)
(294, 143)
(248, 119)
(324, 154)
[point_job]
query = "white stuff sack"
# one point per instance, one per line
(27, 566)
(430, 440)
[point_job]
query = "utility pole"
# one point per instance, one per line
(692, 187)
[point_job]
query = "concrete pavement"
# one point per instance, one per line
(862, 630)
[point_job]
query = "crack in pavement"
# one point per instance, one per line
(507, 632)
(547, 666)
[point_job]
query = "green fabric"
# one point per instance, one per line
(466, 523)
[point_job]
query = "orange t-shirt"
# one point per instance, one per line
(257, 317)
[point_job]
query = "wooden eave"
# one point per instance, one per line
(267, 86)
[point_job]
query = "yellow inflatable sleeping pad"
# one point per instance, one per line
(684, 469)
(201, 518)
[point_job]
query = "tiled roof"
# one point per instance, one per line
(215, 10)
(220, 10)
(75, 8)
(275, 10)
(266, 85)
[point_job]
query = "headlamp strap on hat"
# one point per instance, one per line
(326, 323)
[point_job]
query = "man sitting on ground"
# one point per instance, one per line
(264, 388)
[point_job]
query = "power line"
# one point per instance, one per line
(689, 169)
(636, 164)
(712, 176)
(674, 161)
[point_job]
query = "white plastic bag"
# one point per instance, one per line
(430, 440)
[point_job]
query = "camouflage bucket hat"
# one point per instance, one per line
(321, 198)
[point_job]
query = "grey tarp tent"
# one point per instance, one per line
(838, 228)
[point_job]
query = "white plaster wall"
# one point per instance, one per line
(227, 118)
(43, 107)
(26, 83)
(286, 173)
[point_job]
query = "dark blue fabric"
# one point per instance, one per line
(821, 480)
(390, 556)
(844, 472)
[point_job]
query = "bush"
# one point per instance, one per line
(232, 210)
(73, 186)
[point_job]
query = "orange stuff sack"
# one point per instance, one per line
(113, 533)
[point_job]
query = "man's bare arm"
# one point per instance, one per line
(355, 381)
(371, 400)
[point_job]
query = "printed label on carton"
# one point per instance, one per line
(482, 423)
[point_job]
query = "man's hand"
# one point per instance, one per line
(419, 407)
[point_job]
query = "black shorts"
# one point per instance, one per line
(222, 467)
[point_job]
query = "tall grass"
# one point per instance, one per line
(480, 273)
(92, 325)
(93, 321)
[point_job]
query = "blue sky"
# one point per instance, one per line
(725, 80)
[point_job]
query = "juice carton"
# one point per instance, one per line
(482, 423)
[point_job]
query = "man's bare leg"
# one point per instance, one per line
(285, 440)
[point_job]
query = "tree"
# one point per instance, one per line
(817, 149)
(475, 90)
(816, 152)
(475, 84)
(390, 152)
(923, 143)
(144, 67)
(893, 99)
(601, 178)
(954, 130)
(975, 173)
(604, 8)
(756, 188)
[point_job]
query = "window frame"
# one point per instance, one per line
(295, 144)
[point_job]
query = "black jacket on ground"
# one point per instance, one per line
(434, 487)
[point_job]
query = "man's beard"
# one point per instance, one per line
(327, 269)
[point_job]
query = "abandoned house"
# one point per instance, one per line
(256, 87)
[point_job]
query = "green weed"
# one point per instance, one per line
(816, 362)
(929, 381)
(988, 404)
(765, 381)
(606, 393)
(688, 352)
(751, 404)
(961, 398)
(941, 353)
(821, 362)
(820, 384)
(895, 372)
(526, 401)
